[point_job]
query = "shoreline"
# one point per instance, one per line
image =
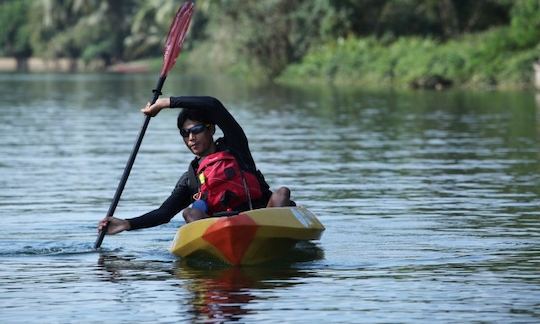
(67, 65)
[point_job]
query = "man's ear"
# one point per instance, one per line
(213, 129)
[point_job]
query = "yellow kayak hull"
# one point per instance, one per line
(251, 237)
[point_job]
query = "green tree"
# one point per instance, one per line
(148, 28)
(525, 25)
(435, 18)
(82, 29)
(14, 32)
(273, 33)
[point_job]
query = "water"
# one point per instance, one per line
(431, 203)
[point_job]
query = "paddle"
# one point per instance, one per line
(173, 45)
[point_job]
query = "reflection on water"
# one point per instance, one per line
(215, 293)
(225, 294)
(430, 203)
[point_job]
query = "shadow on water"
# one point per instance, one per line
(215, 291)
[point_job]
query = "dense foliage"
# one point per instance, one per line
(501, 56)
(397, 41)
(14, 31)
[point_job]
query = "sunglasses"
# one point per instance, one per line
(197, 129)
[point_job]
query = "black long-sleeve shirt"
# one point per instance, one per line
(233, 138)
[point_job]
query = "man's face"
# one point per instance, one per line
(199, 137)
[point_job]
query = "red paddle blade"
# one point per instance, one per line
(177, 33)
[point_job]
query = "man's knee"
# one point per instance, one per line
(283, 192)
(193, 214)
(280, 198)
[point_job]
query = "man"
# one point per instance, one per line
(226, 161)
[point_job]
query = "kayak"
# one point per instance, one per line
(248, 238)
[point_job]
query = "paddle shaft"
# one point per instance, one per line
(173, 46)
(129, 165)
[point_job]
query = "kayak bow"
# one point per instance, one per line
(251, 237)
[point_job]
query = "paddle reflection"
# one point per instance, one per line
(118, 268)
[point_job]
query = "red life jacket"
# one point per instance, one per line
(224, 185)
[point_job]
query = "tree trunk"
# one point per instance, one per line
(22, 64)
(449, 18)
(536, 66)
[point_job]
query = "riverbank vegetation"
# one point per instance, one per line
(486, 60)
(413, 43)
(501, 56)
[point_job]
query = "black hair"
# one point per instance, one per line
(193, 114)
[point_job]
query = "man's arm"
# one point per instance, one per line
(179, 199)
(234, 135)
(215, 111)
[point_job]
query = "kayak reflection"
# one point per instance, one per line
(226, 293)
(209, 291)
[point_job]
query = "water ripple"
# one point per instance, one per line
(430, 201)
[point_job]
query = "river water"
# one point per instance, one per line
(431, 202)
